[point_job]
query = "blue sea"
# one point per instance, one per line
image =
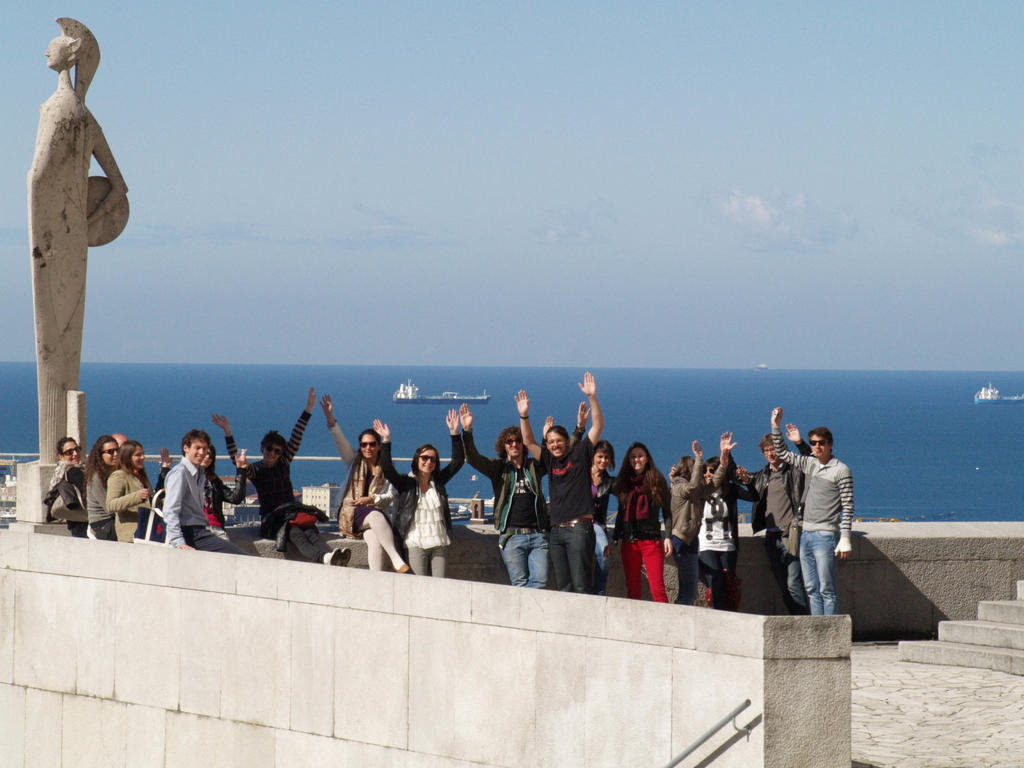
(918, 446)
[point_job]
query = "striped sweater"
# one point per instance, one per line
(828, 505)
(274, 484)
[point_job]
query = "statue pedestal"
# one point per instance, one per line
(31, 489)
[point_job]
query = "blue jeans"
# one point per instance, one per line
(686, 558)
(600, 574)
(572, 552)
(818, 564)
(526, 560)
(786, 570)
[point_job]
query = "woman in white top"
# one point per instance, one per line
(423, 520)
(718, 535)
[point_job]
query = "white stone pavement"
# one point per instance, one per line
(908, 715)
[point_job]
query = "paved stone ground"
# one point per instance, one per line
(929, 716)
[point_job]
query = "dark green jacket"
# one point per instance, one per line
(502, 474)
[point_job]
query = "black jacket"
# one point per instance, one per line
(756, 491)
(408, 488)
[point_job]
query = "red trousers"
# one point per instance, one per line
(651, 554)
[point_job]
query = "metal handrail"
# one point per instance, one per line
(709, 733)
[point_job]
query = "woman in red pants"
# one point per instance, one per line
(643, 503)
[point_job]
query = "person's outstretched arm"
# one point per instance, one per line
(458, 454)
(490, 467)
(589, 388)
(345, 449)
(529, 441)
(300, 427)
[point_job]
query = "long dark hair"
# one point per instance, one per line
(94, 464)
(357, 462)
(128, 448)
(653, 481)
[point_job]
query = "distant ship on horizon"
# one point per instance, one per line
(409, 394)
(990, 396)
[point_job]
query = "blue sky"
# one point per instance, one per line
(833, 185)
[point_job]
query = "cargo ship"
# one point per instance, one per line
(409, 393)
(990, 396)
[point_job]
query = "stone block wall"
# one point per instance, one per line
(117, 655)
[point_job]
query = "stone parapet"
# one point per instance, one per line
(147, 656)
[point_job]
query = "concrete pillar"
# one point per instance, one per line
(76, 419)
(33, 482)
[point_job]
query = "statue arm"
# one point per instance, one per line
(105, 158)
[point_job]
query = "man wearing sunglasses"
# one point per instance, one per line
(828, 514)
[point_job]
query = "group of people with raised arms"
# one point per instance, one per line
(405, 518)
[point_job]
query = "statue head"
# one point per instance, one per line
(85, 56)
(62, 53)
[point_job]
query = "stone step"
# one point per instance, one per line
(1002, 611)
(987, 633)
(963, 655)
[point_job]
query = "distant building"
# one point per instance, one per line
(326, 497)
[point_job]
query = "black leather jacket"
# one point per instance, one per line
(408, 487)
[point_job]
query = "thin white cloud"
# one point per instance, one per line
(747, 209)
(783, 220)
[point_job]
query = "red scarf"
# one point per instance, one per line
(638, 504)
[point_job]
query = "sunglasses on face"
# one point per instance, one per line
(818, 442)
(431, 459)
(273, 450)
(368, 445)
(70, 451)
(110, 452)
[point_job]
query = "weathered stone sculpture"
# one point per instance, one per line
(67, 212)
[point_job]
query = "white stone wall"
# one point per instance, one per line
(134, 655)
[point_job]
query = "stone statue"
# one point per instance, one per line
(67, 212)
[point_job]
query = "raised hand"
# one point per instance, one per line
(165, 457)
(523, 404)
(328, 407)
(466, 416)
(241, 462)
(452, 420)
(698, 452)
(222, 422)
(742, 475)
(725, 443)
(793, 433)
(582, 415)
(549, 422)
(776, 417)
(310, 400)
(588, 387)
(383, 430)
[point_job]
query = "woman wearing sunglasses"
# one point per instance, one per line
(367, 495)
(69, 470)
(423, 519)
(100, 465)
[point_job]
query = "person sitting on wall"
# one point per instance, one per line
(184, 499)
(281, 517)
(367, 495)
